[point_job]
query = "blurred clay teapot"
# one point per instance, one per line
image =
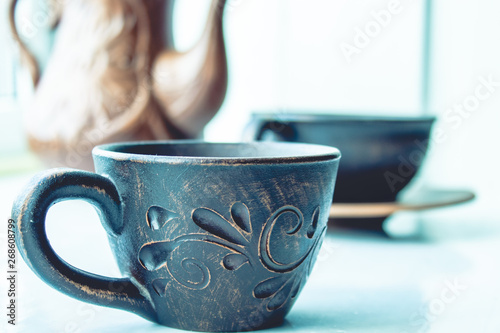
(114, 75)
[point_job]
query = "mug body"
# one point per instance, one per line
(219, 237)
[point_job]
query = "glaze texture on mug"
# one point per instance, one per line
(231, 245)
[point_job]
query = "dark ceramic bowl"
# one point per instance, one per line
(380, 154)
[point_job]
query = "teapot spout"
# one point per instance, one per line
(191, 86)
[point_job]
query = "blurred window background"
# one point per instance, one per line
(362, 57)
(370, 57)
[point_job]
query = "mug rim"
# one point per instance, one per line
(308, 153)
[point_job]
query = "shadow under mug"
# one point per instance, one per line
(208, 237)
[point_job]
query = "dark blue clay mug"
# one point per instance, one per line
(208, 236)
(381, 154)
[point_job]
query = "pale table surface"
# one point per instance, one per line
(440, 272)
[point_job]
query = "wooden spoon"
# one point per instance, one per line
(425, 199)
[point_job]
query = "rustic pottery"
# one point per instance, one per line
(208, 237)
(114, 74)
(380, 154)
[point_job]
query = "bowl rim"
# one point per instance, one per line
(295, 116)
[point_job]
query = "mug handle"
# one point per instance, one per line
(275, 131)
(29, 212)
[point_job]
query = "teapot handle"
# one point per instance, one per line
(26, 55)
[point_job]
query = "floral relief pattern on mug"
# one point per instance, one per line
(235, 236)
